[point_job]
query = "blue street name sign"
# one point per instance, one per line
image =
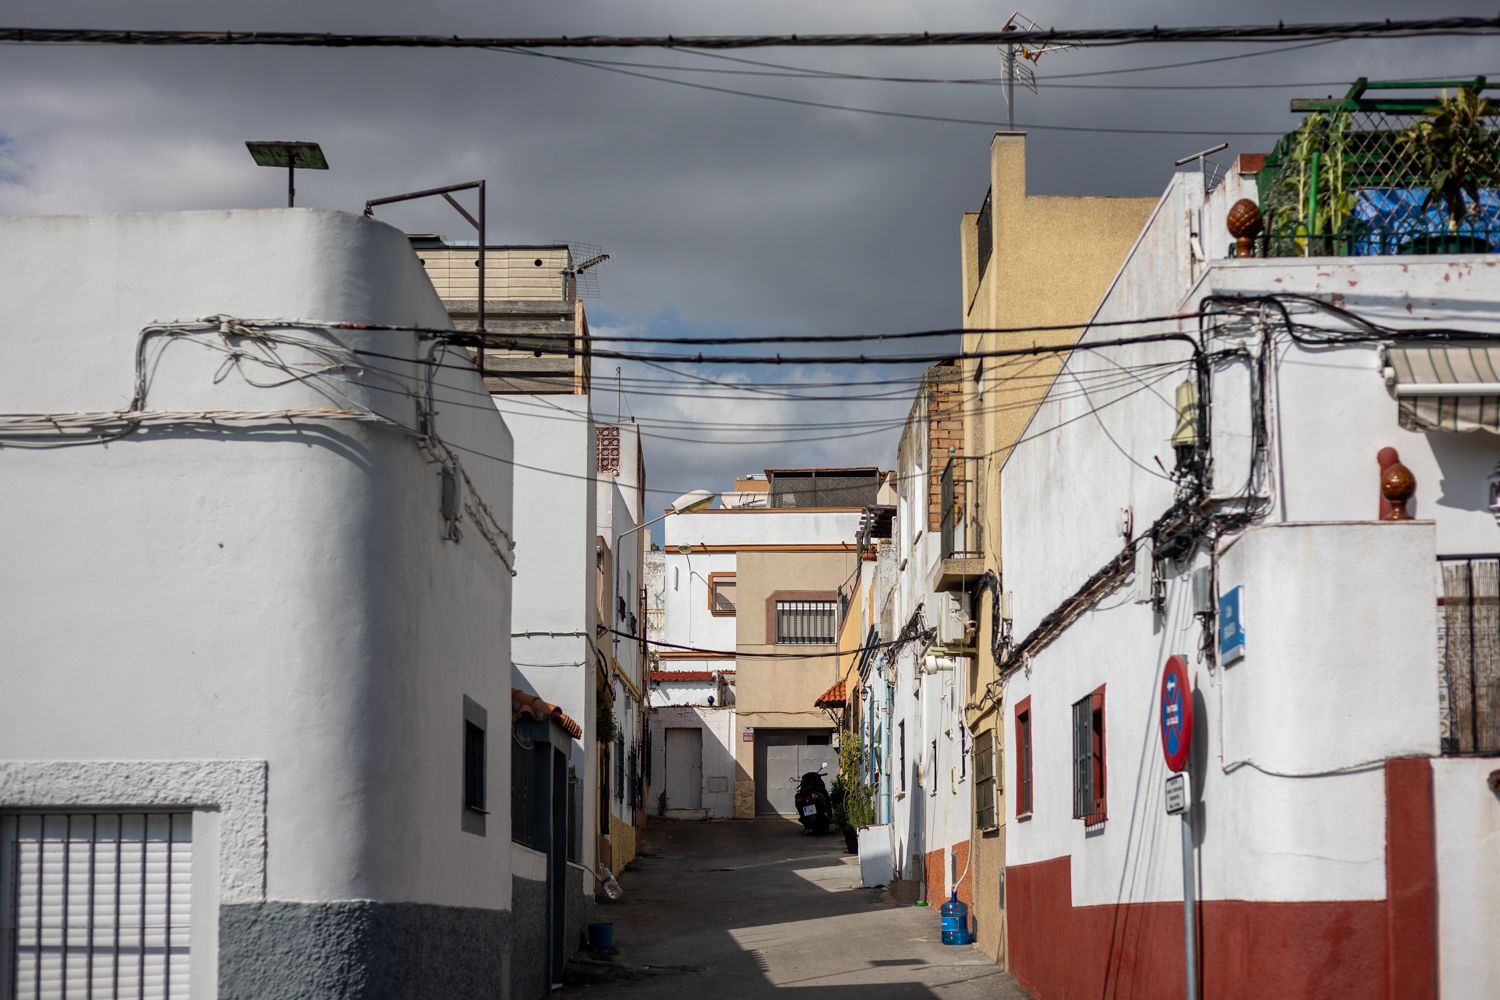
(1231, 626)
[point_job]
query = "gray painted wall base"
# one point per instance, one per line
(528, 969)
(362, 950)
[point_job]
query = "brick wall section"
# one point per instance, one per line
(943, 387)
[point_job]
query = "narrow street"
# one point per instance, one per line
(754, 908)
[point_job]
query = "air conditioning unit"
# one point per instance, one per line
(955, 626)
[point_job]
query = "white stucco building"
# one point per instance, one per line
(915, 722)
(254, 718)
(1340, 847)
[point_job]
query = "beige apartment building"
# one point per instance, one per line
(1028, 261)
(771, 575)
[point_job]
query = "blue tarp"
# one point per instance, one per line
(1385, 217)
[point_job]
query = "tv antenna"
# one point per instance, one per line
(1018, 60)
(585, 257)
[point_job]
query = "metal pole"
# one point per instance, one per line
(291, 185)
(1010, 88)
(483, 239)
(1189, 925)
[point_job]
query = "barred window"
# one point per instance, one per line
(96, 904)
(1088, 759)
(1023, 758)
(984, 781)
(806, 623)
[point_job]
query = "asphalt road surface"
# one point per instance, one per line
(757, 909)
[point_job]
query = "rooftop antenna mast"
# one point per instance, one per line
(1018, 68)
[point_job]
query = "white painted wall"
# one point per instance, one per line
(718, 726)
(1468, 844)
(688, 621)
(280, 593)
(934, 813)
(717, 526)
(1342, 667)
(553, 613)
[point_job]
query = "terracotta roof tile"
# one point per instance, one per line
(530, 705)
(832, 697)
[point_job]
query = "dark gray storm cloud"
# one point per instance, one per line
(723, 213)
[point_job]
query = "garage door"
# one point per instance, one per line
(95, 905)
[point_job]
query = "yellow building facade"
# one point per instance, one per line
(1028, 261)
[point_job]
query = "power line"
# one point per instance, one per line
(886, 113)
(782, 70)
(1279, 32)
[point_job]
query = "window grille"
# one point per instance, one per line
(523, 797)
(95, 905)
(1023, 758)
(806, 623)
(473, 767)
(1088, 759)
(575, 829)
(985, 817)
(620, 767)
(1469, 642)
(901, 731)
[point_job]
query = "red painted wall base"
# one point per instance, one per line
(1250, 951)
(1332, 950)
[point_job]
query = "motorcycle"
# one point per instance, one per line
(814, 809)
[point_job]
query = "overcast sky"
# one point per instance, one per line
(726, 215)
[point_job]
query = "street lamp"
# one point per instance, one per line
(290, 154)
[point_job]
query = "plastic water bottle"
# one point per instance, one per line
(612, 887)
(955, 921)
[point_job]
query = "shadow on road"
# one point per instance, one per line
(751, 908)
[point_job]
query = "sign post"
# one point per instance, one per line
(1176, 746)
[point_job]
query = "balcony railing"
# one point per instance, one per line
(960, 515)
(1346, 184)
(1469, 641)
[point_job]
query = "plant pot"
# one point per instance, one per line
(1445, 243)
(851, 840)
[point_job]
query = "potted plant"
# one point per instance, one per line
(1456, 152)
(851, 800)
(1313, 197)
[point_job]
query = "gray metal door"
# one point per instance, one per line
(776, 793)
(684, 768)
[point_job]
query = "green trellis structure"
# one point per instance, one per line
(1343, 185)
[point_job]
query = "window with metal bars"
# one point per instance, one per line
(473, 767)
(901, 734)
(1088, 759)
(524, 798)
(1023, 758)
(620, 767)
(806, 623)
(95, 905)
(985, 797)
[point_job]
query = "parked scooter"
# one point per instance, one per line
(813, 806)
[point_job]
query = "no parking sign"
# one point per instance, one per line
(1176, 714)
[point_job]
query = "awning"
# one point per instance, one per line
(832, 698)
(1447, 387)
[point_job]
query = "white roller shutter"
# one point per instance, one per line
(96, 905)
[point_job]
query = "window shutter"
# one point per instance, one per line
(98, 905)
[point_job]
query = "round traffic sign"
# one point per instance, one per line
(1176, 713)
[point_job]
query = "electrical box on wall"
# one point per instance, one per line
(954, 625)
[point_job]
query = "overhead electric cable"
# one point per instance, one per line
(886, 113)
(1278, 32)
(810, 72)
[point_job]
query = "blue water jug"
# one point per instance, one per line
(955, 922)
